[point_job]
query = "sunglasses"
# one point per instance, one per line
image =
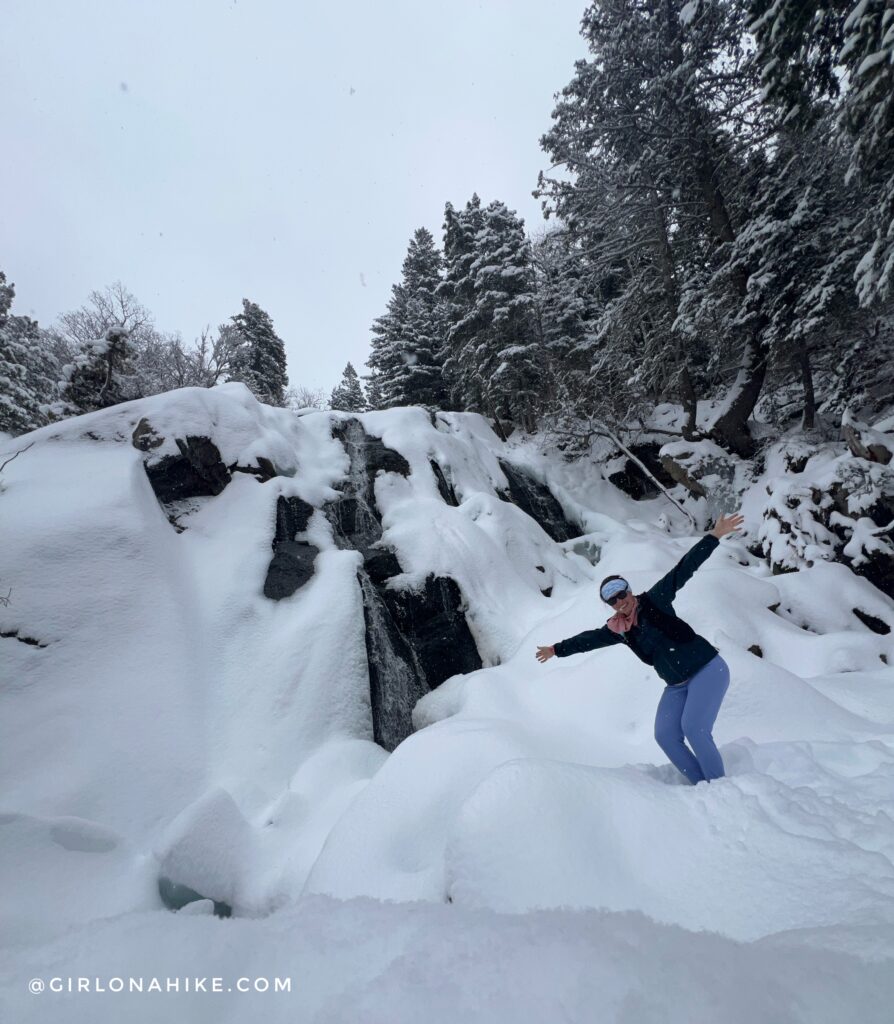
(612, 601)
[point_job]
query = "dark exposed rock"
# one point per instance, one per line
(355, 518)
(290, 568)
(866, 443)
(434, 621)
(878, 568)
(396, 680)
(884, 658)
(876, 625)
(680, 475)
(176, 896)
(756, 650)
(633, 481)
(548, 592)
(415, 639)
(371, 452)
(29, 640)
(263, 471)
(145, 437)
(292, 564)
(292, 516)
(196, 472)
(537, 501)
(446, 490)
(381, 564)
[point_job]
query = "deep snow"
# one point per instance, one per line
(537, 857)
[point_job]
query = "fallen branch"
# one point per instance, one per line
(3, 465)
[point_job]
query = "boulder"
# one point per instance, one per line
(198, 471)
(866, 443)
(292, 564)
(416, 638)
(536, 500)
(707, 471)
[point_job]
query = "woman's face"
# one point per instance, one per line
(626, 605)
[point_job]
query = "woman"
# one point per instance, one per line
(696, 676)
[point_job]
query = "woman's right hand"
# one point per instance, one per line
(545, 653)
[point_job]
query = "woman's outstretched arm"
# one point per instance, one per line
(589, 640)
(666, 589)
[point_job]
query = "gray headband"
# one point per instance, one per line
(613, 587)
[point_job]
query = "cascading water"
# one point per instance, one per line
(415, 638)
(396, 679)
(354, 517)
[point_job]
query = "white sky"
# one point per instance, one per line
(206, 151)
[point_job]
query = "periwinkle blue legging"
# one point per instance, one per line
(689, 710)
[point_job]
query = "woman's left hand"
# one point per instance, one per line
(726, 524)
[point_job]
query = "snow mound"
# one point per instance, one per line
(716, 857)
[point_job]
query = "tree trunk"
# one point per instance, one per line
(730, 429)
(802, 357)
(668, 277)
(690, 405)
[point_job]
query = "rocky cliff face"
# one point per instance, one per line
(416, 633)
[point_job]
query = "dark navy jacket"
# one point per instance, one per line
(675, 660)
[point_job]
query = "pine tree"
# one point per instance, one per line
(348, 395)
(868, 117)
(568, 310)
(802, 47)
(425, 323)
(658, 142)
(458, 291)
(508, 349)
(101, 375)
(408, 339)
(385, 359)
(493, 346)
(26, 369)
(374, 398)
(260, 361)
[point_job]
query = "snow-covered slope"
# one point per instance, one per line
(163, 718)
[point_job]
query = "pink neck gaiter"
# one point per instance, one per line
(619, 623)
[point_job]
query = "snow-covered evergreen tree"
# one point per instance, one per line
(802, 244)
(493, 343)
(658, 142)
(568, 308)
(101, 375)
(408, 339)
(347, 395)
(802, 48)
(868, 117)
(458, 291)
(373, 388)
(507, 353)
(27, 369)
(260, 361)
(385, 360)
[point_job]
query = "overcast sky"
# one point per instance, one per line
(206, 151)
